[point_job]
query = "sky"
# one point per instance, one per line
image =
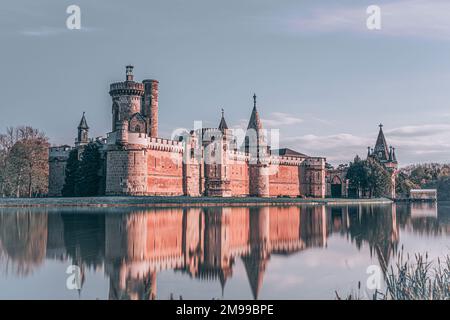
(321, 76)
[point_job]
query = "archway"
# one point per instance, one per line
(336, 187)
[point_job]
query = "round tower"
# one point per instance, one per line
(126, 97)
(150, 108)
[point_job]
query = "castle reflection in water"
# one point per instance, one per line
(134, 244)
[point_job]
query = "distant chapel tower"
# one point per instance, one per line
(83, 133)
(386, 156)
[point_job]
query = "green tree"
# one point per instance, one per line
(404, 184)
(72, 175)
(89, 177)
(369, 177)
(357, 175)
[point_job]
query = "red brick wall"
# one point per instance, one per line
(285, 181)
(165, 173)
(239, 180)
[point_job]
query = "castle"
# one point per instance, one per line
(201, 162)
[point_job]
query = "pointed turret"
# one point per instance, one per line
(223, 124)
(255, 121)
(83, 123)
(83, 132)
(381, 148)
(255, 267)
(256, 147)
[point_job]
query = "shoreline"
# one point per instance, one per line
(151, 201)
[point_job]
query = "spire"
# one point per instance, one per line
(83, 123)
(381, 149)
(255, 121)
(223, 124)
(255, 267)
(368, 152)
(83, 132)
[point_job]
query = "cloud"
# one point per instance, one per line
(280, 119)
(401, 18)
(419, 131)
(413, 143)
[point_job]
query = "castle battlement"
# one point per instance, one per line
(315, 162)
(283, 160)
(237, 155)
(59, 151)
(127, 88)
(165, 145)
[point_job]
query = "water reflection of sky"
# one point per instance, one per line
(204, 253)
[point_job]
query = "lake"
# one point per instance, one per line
(274, 252)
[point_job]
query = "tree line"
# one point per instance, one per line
(425, 176)
(23, 162)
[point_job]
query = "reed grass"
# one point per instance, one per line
(415, 278)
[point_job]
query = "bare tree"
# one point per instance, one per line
(23, 162)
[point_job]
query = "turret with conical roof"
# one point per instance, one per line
(381, 148)
(83, 132)
(223, 124)
(383, 153)
(258, 151)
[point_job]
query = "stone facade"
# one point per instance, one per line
(202, 162)
(57, 166)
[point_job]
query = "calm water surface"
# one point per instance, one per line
(292, 252)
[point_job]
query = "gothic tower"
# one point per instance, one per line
(256, 147)
(386, 156)
(83, 133)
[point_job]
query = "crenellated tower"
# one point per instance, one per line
(127, 99)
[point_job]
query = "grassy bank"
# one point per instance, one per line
(176, 201)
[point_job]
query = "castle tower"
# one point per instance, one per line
(150, 109)
(216, 143)
(83, 132)
(126, 99)
(256, 147)
(223, 124)
(381, 148)
(386, 156)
